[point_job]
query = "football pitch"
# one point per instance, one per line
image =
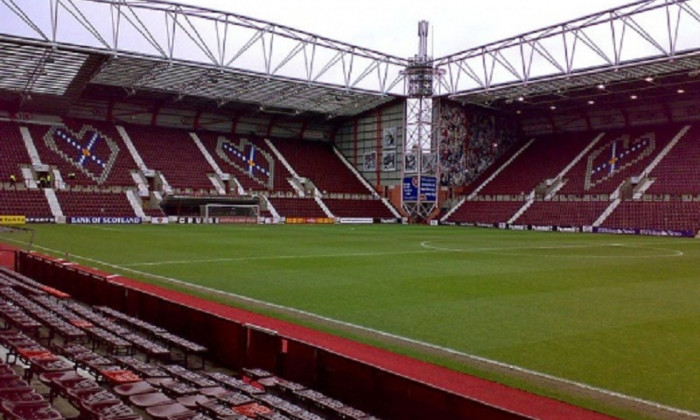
(572, 316)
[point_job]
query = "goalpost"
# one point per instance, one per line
(231, 213)
(15, 237)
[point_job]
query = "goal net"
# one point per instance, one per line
(231, 213)
(15, 237)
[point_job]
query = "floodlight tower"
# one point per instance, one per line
(420, 150)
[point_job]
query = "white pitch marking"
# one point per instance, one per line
(276, 257)
(480, 359)
(505, 250)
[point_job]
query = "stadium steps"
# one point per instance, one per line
(453, 209)
(523, 209)
(573, 163)
(140, 182)
(55, 206)
(132, 149)
(282, 159)
(357, 174)
(135, 203)
(323, 206)
(28, 177)
(645, 186)
(603, 217)
(31, 148)
(391, 208)
(216, 179)
(271, 208)
(499, 170)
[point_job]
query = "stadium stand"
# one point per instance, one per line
(249, 160)
(679, 173)
(373, 208)
(317, 162)
(656, 215)
(562, 213)
(297, 207)
(619, 155)
(31, 203)
(542, 160)
(613, 167)
(489, 212)
(173, 153)
(95, 204)
(13, 153)
(52, 383)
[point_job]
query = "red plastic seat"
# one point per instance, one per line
(167, 410)
(191, 401)
(150, 399)
(134, 388)
(30, 410)
(20, 394)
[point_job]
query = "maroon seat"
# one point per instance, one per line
(133, 416)
(213, 391)
(109, 411)
(10, 383)
(190, 415)
(150, 399)
(89, 398)
(30, 410)
(19, 394)
(191, 401)
(134, 388)
(167, 410)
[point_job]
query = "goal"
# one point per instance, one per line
(16, 237)
(231, 213)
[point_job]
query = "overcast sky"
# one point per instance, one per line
(390, 26)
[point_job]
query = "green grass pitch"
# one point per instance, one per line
(618, 313)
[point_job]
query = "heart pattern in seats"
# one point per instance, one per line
(616, 156)
(249, 159)
(88, 150)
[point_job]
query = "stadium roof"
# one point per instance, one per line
(203, 58)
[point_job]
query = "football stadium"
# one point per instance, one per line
(205, 215)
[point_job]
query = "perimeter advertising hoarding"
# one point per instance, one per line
(428, 188)
(12, 220)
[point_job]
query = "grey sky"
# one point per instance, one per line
(390, 26)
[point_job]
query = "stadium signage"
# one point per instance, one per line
(485, 225)
(238, 220)
(197, 220)
(647, 232)
(104, 220)
(428, 188)
(13, 220)
(309, 220)
(160, 220)
(41, 220)
(355, 220)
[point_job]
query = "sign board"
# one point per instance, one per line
(428, 188)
